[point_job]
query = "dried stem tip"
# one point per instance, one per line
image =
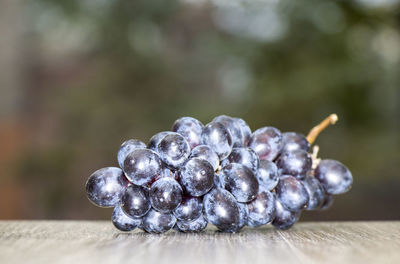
(314, 132)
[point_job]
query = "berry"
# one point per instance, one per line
(234, 129)
(156, 222)
(296, 163)
(284, 219)
(127, 147)
(206, 153)
(197, 177)
(334, 176)
(142, 166)
(291, 193)
(105, 186)
(221, 210)
(218, 138)
(261, 210)
(266, 142)
(165, 195)
(328, 201)
(294, 141)
(244, 156)
(267, 175)
(245, 129)
(240, 181)
(154, 140)
(242, 215)
(174, 150)
(124, 222)
(315, 191)
(190, 128)
(135, 201)
(194, 226)
(189, 210)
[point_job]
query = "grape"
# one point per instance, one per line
(218, 138)
(233, 128)
(206, 153)
(315, 192)
(294, 141)
(328, 201)
(194, 226)
(296, 163)
(156, 222)
(291, 193)
(155, 140)
(190, 128)
(127, 147)
(189, 210)
(105, 186)
(246, 131)
(197, 177)
(124, 222)
(244, 156)
(240, 181)
(267, 175)
(242, 215)
(218, 182)
(284, 219)
(334, 176)
(266, 142)
(221, 210)
(167, 172)
(165, 194)
(142, 166)
(135, 201)
(174, 150)
(261, 210)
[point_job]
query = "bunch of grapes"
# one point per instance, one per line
(221, 173)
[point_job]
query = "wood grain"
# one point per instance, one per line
(99, 242)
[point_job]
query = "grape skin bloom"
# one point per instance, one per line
(165, 195)
(190, 128)
(126, 148)
(124, 222)
(157, 223)
(218, 138)
(266, 142)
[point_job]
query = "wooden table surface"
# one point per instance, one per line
(99, 242)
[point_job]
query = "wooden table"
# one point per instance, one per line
(99, 242)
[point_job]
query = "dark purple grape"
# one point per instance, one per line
(194, 226)
(284, 219)
(233, 128)
(167, 172)
(315, 191)
(240, 181)
(246, 131)
(266, 142)
(261, 210)
(221, 210)
(165, 194)
(135, 201)
(197, 177)
(218, 138)
(206, 153)
(156, 222)
(142, 166)
(296, 163)
(328, 201)
(242, 215)
(124, 222)
(105, 186)
(334, 176)
(189, 210)
(244, 156)
(154, 140)
(174, 150)
(291, 193)
(294, 141)
(267, 175)
(190, 128)
(127, 147)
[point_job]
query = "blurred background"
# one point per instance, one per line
(78, 77)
